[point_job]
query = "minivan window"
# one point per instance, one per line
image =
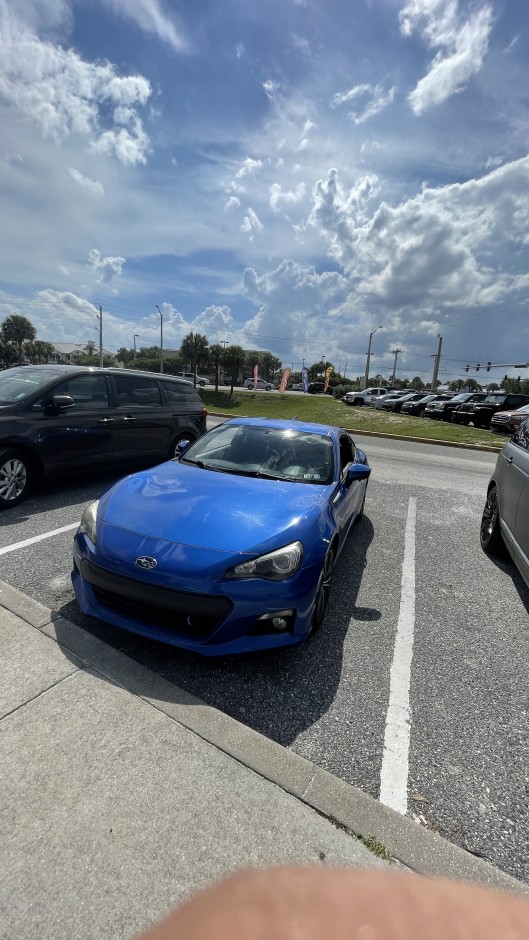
(87, 391)
(177, 392)
(16, 384)
(134, 390)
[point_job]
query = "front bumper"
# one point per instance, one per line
(223, 618)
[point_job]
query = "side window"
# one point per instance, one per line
(521, 435)
(87, 391)
(346, 451)
(178, 392)
(134, 391)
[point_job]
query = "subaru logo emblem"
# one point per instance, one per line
(146, 562)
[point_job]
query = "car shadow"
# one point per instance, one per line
(506, 564)
(279, 692)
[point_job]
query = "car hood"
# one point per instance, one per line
(202, 508)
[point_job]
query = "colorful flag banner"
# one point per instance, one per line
(284, 379)
(328, 371)
(305, 378)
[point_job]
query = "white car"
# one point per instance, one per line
(250, 384)
(368, 396)
(190, 377)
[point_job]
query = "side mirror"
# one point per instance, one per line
(182, 446)
(358, 471)
(59, 403)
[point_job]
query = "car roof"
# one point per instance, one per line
(286, 424)
(69, 368)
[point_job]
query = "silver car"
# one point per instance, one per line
(505, 520)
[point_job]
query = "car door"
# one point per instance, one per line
(511, 475)
(348, 494)
(144, 421)
(81, 436)
(520, 472)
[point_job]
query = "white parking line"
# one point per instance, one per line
(37, 538)
(394, 772)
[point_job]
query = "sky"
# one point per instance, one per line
(287, 175)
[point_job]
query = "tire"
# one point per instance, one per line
(455, 419)
(16, 477)
(359, 402)
(268, 388)
(490, 532)
(362, 507)
(202, 384)
(249, 387)
(322, 594)
(173, 449)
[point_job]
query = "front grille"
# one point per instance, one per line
(195, 615)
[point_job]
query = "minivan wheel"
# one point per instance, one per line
(490, 532)
(173, 450)
(15, 477)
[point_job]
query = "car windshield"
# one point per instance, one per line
(495, 399)
(274, 453)
(461, 397)
(16, 384)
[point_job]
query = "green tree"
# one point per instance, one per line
(234, 358)
(125, 355)
(108, 360)
(194, 351)
(215, 359)
(417, 383)
(17, 330)
(456, 385)
(38, 351)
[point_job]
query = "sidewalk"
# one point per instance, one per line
(122, 794)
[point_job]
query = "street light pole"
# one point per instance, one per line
(161, 337)
(366, 376)
(136, 336)
(100, 318)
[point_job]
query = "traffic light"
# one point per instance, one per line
(466, 368)
(488, 366)
(477, 367)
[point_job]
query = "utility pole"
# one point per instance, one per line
(366, 376)
(136, 336)
(395, 353)
(161, 337)
(437, 361)
(100, 336)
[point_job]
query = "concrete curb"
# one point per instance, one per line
(395, 437)
(344, 805)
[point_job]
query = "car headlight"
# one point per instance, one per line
(277, 566)
(88, 521)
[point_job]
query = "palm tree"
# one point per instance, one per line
(16, 330)
(194, 350)
(39, 351)
(234, 357)
(215, 357)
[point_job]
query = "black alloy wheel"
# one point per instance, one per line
(322, 594)
(15, 477)
(490, 531)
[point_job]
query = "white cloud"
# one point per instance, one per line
(151, 18)
(232, 203)
(280, 197)
(437, 248)
(462, 47)
(64, 96)
(251, 223)
(92, 186)
(371, 100)
(270, 89)
(249, 167)
(107, 268)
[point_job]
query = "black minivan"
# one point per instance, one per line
(56, 420)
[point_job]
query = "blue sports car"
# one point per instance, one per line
(230, 547)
